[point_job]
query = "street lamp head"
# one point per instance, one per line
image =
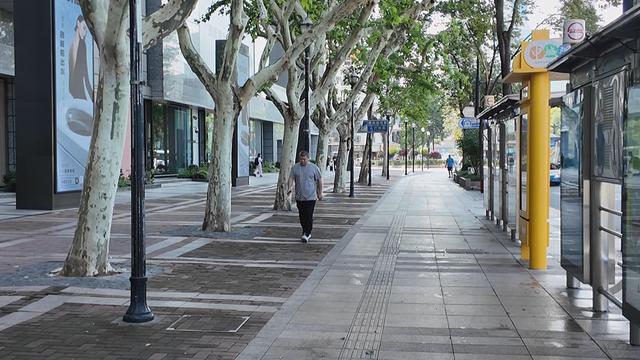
(422, 129)
(353, 78)
(413, 125)
(306, 24)
(428, 133)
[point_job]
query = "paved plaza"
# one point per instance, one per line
(409, 269)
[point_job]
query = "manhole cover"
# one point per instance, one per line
(204, 323)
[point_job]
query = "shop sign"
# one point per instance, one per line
(540, 53)
(574, 31)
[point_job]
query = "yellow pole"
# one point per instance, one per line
(538, 170)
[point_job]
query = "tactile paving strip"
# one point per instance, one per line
(365, 334)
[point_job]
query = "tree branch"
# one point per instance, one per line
(165, 20)
(270, 73)
(237, 25)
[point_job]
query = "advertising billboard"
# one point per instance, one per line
(73, 54)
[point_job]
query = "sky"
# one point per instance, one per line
(545, 8)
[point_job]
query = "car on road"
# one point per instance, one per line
(554, 175)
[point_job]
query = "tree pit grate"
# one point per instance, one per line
(207, 323)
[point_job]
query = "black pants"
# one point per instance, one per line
(305, 212)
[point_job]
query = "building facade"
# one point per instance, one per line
(178, 111)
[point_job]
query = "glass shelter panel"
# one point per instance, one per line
(607, 127)
(571, 188)
(495, 171)
(524, 156)
(512, 175)
(486, 165)
(631, 210)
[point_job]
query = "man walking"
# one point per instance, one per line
(450, 164)
(306, 178)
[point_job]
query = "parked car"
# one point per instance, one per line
(554, 175)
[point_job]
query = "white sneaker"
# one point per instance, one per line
(304, 238)
(308, 238)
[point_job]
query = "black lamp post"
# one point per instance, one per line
(406, 145)
(304, 134)
(388, 143)
(353, 80)
(138, 311)
(413, 147)
(422, 149)
(428, 149)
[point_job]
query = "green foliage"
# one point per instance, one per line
(195, 172)
(393, 150)
(125, 181)
(468, 175)
(9, 180)
(469, 144)
(582, 9)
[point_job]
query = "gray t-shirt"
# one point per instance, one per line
(306, 178)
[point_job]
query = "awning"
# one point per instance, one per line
(503, 109)
(620, 32)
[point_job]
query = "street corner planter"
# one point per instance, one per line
(468, 184)
(200, 180)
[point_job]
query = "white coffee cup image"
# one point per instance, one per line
(74, 127)
(79, 118)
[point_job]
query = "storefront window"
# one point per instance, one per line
(159, 138)
(255, 138)
(171, 138)
(7, 62)
(180, 134)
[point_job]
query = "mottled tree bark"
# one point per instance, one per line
(363, 177)
(289, 143)
(109, 23)
(340, 178)
(89, 251)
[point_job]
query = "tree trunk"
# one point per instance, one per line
(89, 253)
(218, 207)
(363, 177)
(340, 178)
(288, 159)
(323, 149)
(504, 45)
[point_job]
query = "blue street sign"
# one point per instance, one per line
(376, 126)
(469, 123)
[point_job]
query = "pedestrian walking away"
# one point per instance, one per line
(305, 181)
(449, 165)
(258, 164)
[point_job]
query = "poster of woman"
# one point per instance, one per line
(74, 94)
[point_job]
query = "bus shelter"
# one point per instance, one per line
(500, 161)
(600, 190)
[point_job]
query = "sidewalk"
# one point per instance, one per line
(210, 292)
(423, 276)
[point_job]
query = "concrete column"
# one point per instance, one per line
(538, 170)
